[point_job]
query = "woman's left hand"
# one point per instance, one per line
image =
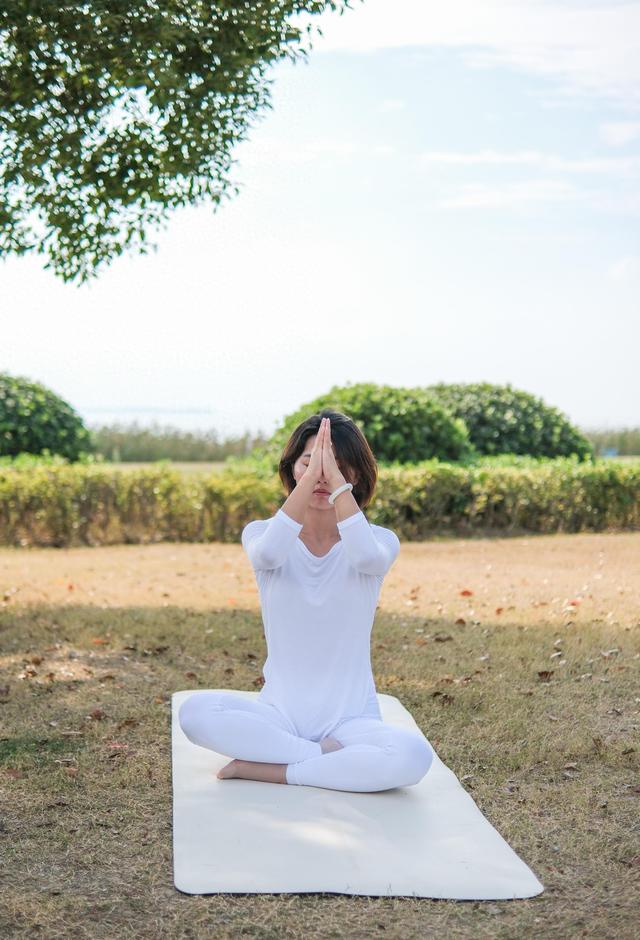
(330, 468)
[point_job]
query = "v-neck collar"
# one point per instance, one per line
(308, 552)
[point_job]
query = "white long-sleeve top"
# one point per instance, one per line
(317, 613)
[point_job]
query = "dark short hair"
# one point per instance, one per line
(352, 451)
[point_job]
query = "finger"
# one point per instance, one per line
(328, 449)
(328, 439)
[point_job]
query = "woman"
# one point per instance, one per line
(319, 565)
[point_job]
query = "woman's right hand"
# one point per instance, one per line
(314, 469)
(298, 500)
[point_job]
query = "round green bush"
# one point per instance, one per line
(505, 420)
(402, 425)
(34, 420)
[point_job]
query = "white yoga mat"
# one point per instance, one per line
(243, 836)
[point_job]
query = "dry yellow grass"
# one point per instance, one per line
(527, 687)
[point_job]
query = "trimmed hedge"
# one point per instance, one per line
(64, 505)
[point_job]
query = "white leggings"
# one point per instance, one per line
(374, 756)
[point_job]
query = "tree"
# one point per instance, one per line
(114, 112)
(502, 419)
(406, 425)
(34, 420)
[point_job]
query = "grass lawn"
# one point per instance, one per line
(528, 688)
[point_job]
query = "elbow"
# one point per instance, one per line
(374, 565)
(265, 562)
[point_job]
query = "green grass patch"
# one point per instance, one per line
(547, 747)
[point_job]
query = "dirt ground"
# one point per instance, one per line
(535, 579)
(518, 657)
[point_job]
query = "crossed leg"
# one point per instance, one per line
(365, 755)
(259, 737)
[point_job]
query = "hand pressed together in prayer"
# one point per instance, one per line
(322, 462)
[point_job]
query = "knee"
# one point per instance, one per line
(187, 714)
(192, 709)
(414, 758)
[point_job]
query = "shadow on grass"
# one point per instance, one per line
(548, 751)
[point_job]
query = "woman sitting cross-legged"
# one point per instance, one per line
(319, 566)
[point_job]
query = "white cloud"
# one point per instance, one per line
(277, 150)
(510, 195)
(618, 133)
(523, 193)
(392, 104)
(593, 47)
(625, 270)
(546, 161)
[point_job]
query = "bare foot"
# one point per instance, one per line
(254, 770)
(330, 744)
(229, 770)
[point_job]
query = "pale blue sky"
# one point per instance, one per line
(437, 195)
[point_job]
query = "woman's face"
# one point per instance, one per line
(301, 464)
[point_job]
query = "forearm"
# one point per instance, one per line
(345, 503)
(365, 552)
(296, 503)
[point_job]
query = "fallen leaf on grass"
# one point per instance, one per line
(27, 673)
(443, 697)
(128, 723)
(14, 773)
